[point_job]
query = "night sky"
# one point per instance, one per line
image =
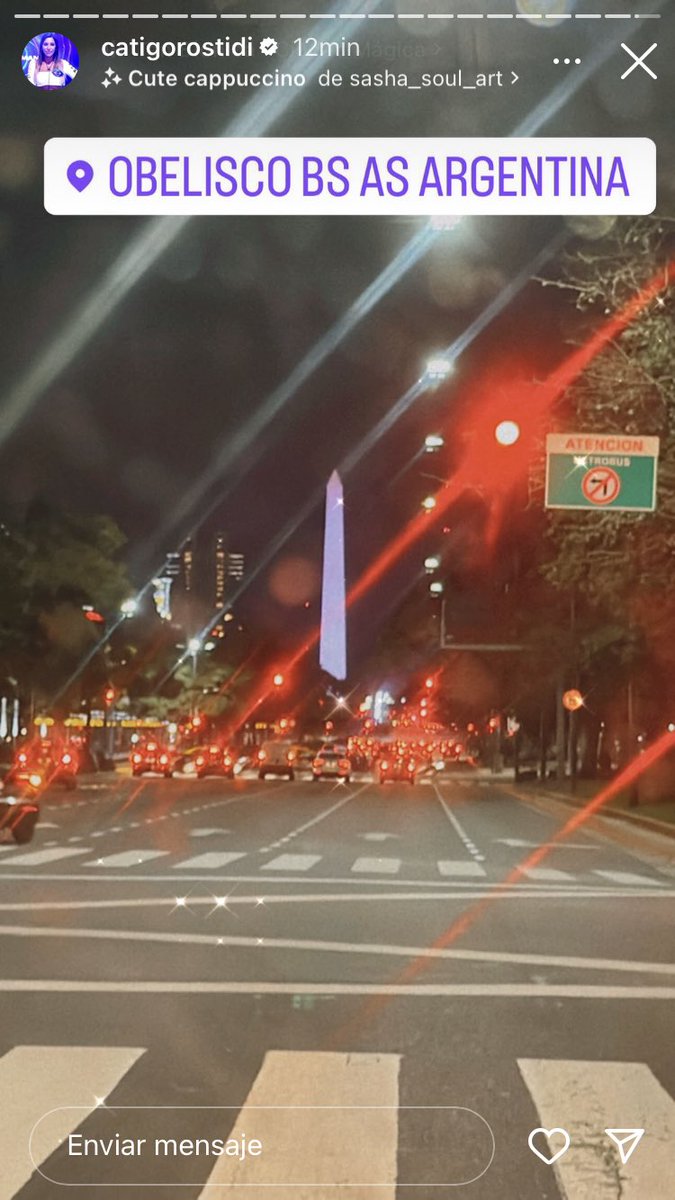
(233, 304)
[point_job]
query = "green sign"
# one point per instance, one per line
(601, 471)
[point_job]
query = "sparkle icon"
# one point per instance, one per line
(626, 1141)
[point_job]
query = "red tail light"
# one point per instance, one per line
(214, 749)
(290, 756)
(384, 765)
(261, 756)
(201, 760)
(164, 758)
(411, 766)
(152, 746)
(317, 764)
(22, 759)
(344, 764)
(228, 761)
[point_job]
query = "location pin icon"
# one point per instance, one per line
(80, 174)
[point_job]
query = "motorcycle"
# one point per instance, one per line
(19, 810)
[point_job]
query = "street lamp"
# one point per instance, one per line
(429, 503)
(436, 588)
(278, 680)
(439, 368)
(432, 563)
(507, 433)
(129, 608)
(433, 442)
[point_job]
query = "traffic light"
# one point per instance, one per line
(109, 695)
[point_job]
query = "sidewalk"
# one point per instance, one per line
(657, 818)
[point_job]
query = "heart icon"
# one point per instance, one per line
(549, 1134)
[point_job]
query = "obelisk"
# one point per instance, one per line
(333, 645)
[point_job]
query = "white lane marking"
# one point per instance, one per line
(363, 1141)
(369, 948)
(459, 830)
(379, 837)
(208, 832)
(247, 987)
(624, 877)
(546, 875)
(314, 821)
(585, 1098)
(376, 866)
(36, 857)
(466, 891)
(127, 858)
(292, 862)
(40, 1079)
(463, 868)
(208, 862)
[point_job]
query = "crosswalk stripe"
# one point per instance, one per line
(292, 862)
(585, 1098)
(36, 857)
(127, 858)
(461, 868)
(376, 866)
(209, 861)
(546, 875)
(628, 877)
(357, 1145)
(38, 1079)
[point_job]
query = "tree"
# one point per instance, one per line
(620, 565)
(52, 564)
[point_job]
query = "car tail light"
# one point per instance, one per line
(200, 760)
(137, 758)
(344, 764)
(214, 749)
(411, 766)
(317, 764)
(291, 756)
(164, 758)
(22, 759)
(227, 760)
(384, 765)
(152, 746)
(261, 756)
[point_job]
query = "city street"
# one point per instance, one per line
(218, 946)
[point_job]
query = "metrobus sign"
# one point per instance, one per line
(601, 471)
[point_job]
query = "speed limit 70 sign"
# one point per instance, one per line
(601, 471)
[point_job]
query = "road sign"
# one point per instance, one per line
(601, 471)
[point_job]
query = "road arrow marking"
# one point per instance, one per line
(626, 1141)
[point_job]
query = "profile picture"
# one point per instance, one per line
(50, 61)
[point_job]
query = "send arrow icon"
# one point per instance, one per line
(626, 1141)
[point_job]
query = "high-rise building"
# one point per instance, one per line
(228, 571)
(187, 557)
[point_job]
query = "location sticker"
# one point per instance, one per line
(80, 174)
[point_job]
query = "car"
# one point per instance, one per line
(276, 758)
(214, 760)
(19, 810)
(151, 758)
(332, 762)
(398, 767)
(53, 764)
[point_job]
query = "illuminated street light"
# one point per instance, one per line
(278, 679)
(429, 503)
(439, 368)
(432, 563)
(194, 645)
(436, 588)
(433, 442)
(507, 433)
(129, 607)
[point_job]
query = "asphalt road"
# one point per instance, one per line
(357, 977)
